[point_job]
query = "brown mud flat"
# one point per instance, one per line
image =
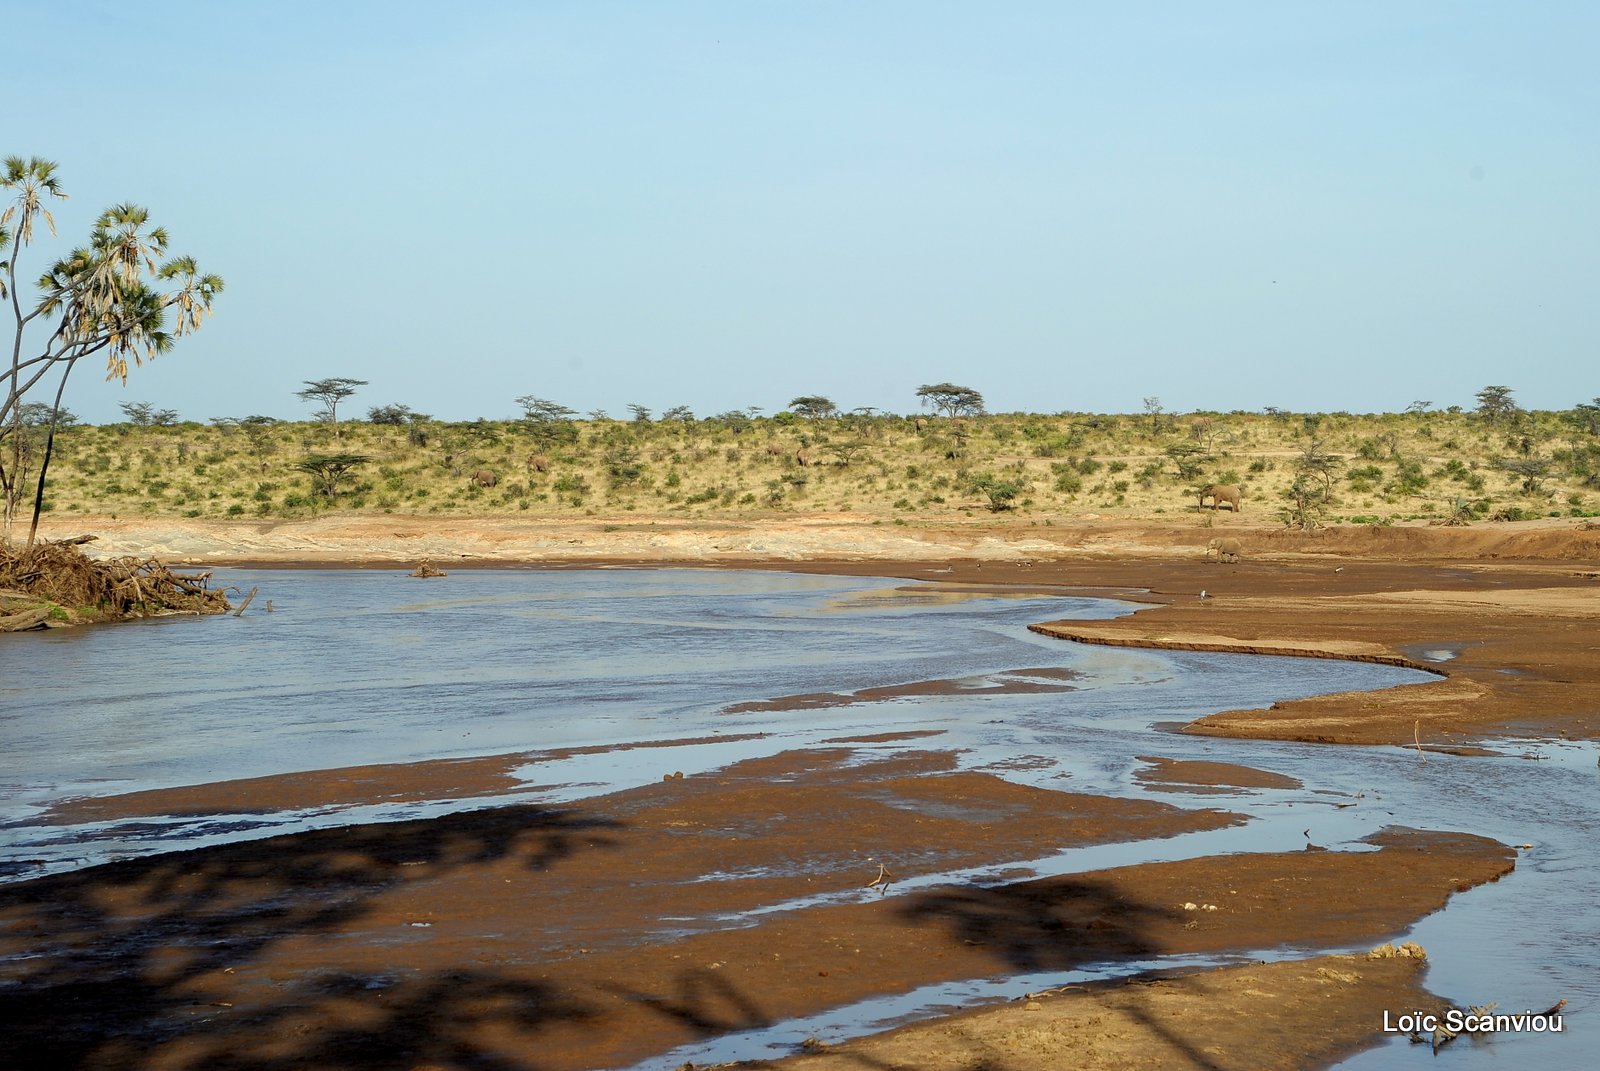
(593, 935)
(1204, 776)
(496, 777)
(1316, 1010)
(1516, 644)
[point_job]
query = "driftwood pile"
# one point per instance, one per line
(54, 583)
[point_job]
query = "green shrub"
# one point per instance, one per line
(571, 483)
(1000, 492)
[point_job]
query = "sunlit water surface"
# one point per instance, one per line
(359, 667)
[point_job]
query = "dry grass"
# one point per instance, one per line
(1388, 467)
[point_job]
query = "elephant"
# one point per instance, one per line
(1220, 493)
(1226, 550)
(485, 478)
(803, 457)
(538, 463)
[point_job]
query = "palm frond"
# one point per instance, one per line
(31, 179)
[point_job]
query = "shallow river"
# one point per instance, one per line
(359, 667)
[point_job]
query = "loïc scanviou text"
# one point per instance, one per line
(1457, 1021)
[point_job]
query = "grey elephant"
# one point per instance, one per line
(1220, 493)
(485, 478)
(1225, 550)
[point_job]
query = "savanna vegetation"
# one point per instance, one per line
(1493, 463)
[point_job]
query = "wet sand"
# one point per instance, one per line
(1319, 1010)
(593, 935)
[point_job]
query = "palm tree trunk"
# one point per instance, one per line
(49, 447)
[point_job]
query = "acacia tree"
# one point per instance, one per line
(548, 423)
(1315, 464)
(951, 400)
(396, 415)
(258, 429)
(145, 415)
(1152, 408)
(1587, 416)
(1495, 404)
(328, 471)
(813, 406)
(330, 392)
(108, 297)
(1000, 491)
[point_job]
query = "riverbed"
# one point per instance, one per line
(581, 683)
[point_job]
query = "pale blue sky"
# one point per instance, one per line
(725, 204)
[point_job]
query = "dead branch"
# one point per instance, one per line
(58, 573)
(882, 881)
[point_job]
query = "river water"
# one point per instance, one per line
(357, 667)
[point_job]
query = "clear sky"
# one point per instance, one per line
(1310, 205)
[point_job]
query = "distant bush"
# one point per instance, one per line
(1068, 482)
(999, 491)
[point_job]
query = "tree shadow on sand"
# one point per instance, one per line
(704, 1003)
(103, 966)
(1062, 923)
(1050, 924)
(1053, 924)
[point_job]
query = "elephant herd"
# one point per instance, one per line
(1226, 549)
(487, 478)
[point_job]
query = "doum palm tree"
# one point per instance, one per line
(110, 296)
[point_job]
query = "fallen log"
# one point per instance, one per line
(27, 619)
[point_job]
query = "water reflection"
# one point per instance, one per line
(354, 668)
